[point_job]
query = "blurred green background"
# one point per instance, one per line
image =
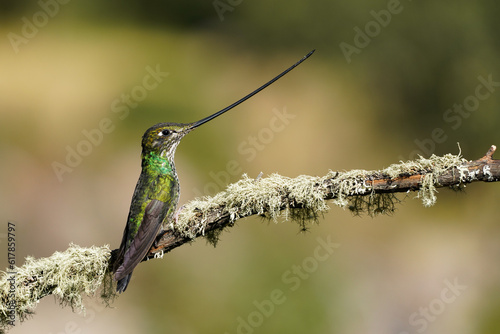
(66, 66)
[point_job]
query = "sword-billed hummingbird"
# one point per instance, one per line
(157, 192)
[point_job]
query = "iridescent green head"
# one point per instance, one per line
(163, 138)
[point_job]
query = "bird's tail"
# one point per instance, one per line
(123, 283)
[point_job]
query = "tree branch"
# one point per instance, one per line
(361, 191)
(79, 271)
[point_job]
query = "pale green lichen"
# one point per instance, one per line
(432, 167)
(427, 190)
(271, 197)
(435, 164)
(67, 275)
(302, 199)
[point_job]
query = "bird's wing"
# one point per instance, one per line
(153, 216)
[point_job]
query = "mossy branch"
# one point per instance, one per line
(303, 199)
(82, 271)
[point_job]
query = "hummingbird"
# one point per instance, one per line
(156, 195)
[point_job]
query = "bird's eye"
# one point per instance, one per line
(164, 133)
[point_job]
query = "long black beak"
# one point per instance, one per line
(209, 118)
